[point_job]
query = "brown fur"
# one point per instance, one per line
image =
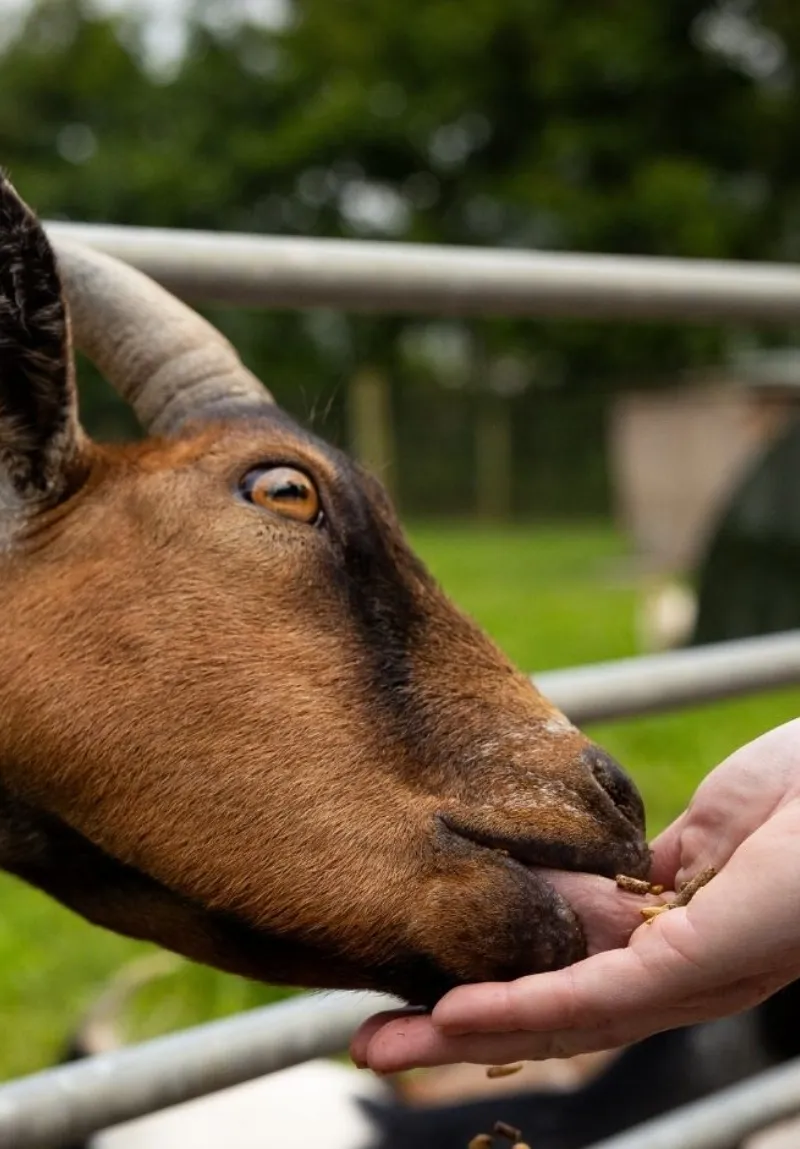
(274, 747)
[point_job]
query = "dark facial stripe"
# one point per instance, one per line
(369, 562)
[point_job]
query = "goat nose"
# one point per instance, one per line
(610, 776)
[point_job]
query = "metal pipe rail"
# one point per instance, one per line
(59, 1106)
(657, 682)
(64, 1105)
(260, 271)
(721, 1120)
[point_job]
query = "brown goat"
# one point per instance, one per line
(237, 715)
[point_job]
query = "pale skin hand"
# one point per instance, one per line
(735, 944)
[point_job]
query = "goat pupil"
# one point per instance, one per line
(283, 490)
(290, 491)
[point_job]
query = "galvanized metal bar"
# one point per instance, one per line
(64, 1105)
(282, 272)
(722, 1120)
(660, 682)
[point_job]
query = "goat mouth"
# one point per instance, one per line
(629, 857)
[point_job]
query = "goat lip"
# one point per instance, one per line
(632, 858)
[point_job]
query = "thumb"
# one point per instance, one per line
(666, 850)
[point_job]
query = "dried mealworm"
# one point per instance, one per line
(503, 1070)
(689, 889)
(683, 896)
(502, 1129)
(632, 885)
(650, 912)
(481, 1141)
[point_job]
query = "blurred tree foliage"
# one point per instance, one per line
(619, 127)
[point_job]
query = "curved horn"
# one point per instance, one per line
(162, 357)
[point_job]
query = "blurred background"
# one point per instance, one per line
(586, 490)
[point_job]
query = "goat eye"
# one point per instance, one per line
(283, 490)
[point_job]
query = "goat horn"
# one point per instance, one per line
(166, 361)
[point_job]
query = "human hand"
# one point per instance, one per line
(735, 944)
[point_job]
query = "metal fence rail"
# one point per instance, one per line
(64, 1105)
(260, 271)
(721, 1120)
(659, 682)
(61, 1106)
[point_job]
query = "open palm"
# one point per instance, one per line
(735, 944)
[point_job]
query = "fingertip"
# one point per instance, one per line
(361, 1039)
(403, 1043)
(359, 1044)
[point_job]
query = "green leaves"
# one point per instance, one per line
(621, 127)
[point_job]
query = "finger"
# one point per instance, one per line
(360, 1040)
(579, 995)
(400, 1046)
(409, 1043)
(415, 1043)
(735, 996)
(666, 851)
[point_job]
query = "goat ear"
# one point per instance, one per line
(40, 438)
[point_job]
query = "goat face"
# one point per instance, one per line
(237, 715)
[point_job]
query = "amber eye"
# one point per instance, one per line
(283, 490)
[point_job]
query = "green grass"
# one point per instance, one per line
(551, 597)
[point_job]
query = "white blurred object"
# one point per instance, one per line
(316, 1103)
(666, 616)
(784, 1135)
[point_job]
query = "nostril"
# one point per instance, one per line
(612, 778)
